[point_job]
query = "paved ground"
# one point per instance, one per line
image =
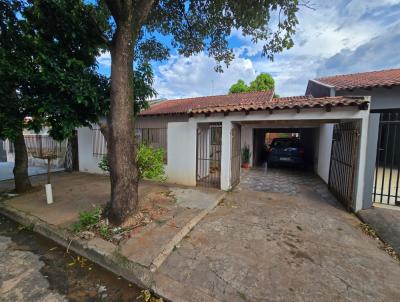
(20, 277)
(260, 246)
(283, 180)
(255, 246)
(386, 222)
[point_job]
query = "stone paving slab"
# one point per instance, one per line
(143, 248)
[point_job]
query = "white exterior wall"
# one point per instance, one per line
(181, 168)
(381, 98)
(87, 162)
(324, 151)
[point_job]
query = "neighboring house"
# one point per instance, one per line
(204, 137)
(383, 156)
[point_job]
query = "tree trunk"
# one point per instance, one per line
(21, 178)
(121, 147)
(129, 15)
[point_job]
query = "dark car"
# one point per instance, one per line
(286, 151)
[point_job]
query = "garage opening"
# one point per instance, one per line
(284, 147)
(285, 158)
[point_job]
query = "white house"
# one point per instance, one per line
(204, 136)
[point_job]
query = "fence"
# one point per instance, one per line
(153, 137)
(387, 165)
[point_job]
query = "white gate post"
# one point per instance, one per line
(226, 155)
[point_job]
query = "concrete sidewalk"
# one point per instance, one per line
(174, 212)
(386, 222)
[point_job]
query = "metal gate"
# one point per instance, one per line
(208, 155)
(343, 162)
(235, 155)
(387, 165)
(72, 155)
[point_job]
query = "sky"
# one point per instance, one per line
(336, 37)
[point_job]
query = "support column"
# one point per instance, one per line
(372, 145)
(362, 158)
(226, 155)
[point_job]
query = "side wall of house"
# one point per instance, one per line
(87, 161)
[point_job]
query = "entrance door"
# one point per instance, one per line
(343, 162)
(235, 155)
(208, 155)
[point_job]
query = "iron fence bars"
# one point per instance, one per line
(99, 143)
(153, 137)
(387, 164)
(343, 162)
(235, 155)
(208, 155)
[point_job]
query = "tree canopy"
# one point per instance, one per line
(48, 67)
(238, 87)
(133, 33)
(262, 82)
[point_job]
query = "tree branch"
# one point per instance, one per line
(115, 8)
(141, 11)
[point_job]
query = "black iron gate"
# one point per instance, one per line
(387, 165)
(235, 155)
(72, 155)
(343, 162)
(208, 155)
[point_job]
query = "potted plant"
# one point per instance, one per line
(246, 157)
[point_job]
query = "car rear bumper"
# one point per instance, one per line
(292, 160)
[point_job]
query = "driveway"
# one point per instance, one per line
(294, 246)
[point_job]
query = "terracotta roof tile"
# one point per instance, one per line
(382, 78)
(250, 102)
(183, 106)
(294, 102)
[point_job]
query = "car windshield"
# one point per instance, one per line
(285, 143)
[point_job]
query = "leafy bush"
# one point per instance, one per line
(103, 164)
(150, 163)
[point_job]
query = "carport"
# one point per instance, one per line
(314, 119)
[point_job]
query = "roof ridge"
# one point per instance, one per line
(356, 73)
(220, 95)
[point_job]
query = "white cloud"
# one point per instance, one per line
(195, 76)
(337, 37)
(104, 59)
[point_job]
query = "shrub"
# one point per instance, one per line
(246, 154)
(87, 219)
(150, 163)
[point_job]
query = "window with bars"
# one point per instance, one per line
(99, 144)
(153, 137)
